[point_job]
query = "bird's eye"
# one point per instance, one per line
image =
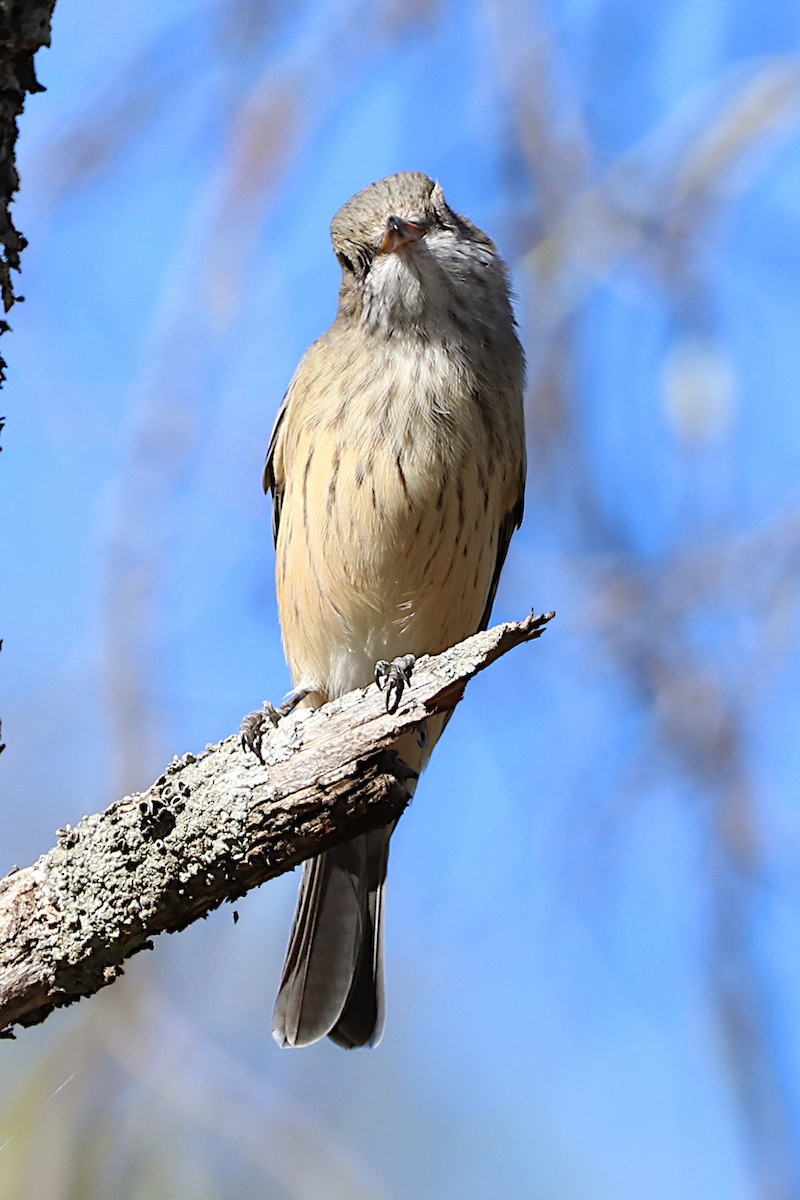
(345, 262)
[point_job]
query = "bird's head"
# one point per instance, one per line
(412, 265)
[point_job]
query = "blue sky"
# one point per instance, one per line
(559, 888)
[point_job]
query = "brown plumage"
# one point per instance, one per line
(397, 469)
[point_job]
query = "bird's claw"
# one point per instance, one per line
(254, 726)
(393, 677)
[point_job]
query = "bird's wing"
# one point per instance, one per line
(511, 521)
(301, 396)
(273, 480)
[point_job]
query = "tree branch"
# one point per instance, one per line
(213, 826)
(24, 29)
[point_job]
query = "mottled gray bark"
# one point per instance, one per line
(213, 826)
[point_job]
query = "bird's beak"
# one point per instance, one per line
(399, 233)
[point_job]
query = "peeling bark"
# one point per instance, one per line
(213, 826)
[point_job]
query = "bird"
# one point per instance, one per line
(397, 469)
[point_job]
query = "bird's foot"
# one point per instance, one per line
(255, 724)
(392, 678)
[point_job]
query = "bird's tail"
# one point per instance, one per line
(332, 980)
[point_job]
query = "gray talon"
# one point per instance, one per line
(254, 725)
(252, 733)
(393, 677)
